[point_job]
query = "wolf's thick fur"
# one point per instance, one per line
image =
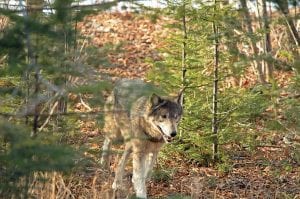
(144, 122)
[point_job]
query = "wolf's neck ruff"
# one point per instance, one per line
(153, 139)
(152, 135)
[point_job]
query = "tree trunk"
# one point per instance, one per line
(183, 64)
(257, 64)
(29, 61)
(183, 54)
(33, 9)
(283, 7)
(62, 104)
(263, 15)
(215, 123)
(36, 103)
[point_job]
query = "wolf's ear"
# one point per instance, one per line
(180, 97)
(155, 100)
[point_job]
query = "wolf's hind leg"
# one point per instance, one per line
(105, 162)
(121, 166)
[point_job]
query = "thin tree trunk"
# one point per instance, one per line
(257, 64)
(36, 104)
(29, 58)
(62, 102)
(62, 107)
(283, 7)
(215, 123)
(183, 64)
(292, 29)
(267, 66)
(34, 8)
(183, 54)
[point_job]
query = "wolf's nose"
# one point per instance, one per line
(173, 134)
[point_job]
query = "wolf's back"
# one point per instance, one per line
(127, 92)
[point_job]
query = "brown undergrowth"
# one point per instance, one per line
(266, 171)
(263, 174)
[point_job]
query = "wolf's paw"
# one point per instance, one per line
(116, 185)
(141, 195)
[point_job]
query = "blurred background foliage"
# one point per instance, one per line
(52, 90)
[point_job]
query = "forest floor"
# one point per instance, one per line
(266, 172)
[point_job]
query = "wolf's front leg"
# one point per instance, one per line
(139, 179)
(151, 158)
(105, 153)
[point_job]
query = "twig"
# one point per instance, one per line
(67, 193)
(94, 186)
(84, 104)
(269, 146)
(50, 114)
(284, 126)
(53, 185)
(82, 114)
(51, 100)
(196, 86)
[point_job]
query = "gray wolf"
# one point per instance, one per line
(138, 115)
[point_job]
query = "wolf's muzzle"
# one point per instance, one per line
(173, 134)
(165, 137)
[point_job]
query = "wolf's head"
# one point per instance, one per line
(165, 115)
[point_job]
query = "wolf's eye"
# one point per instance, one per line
(164, 116)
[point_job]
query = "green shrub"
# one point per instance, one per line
(22, 156)
(161, 175)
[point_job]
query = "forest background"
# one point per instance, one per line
(239, 137)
